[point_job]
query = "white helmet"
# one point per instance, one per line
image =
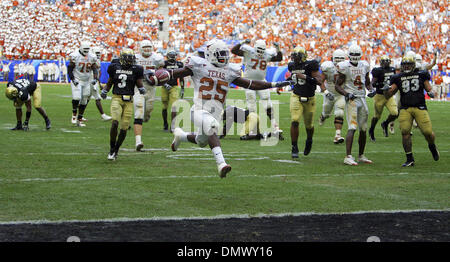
(418, 59)
(97, 51)
(411, 53)
(85, 47)
(338, 56)
(217, 53)
(260, 46)
(146, 47)
(354, 53)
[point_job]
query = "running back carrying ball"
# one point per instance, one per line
(160, 77)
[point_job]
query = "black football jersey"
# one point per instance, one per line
(124, 78)
(176, 65)
(25, 87)
(383, 76)
(303, 88)
(411, 87)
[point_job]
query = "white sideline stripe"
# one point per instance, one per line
(259, 215)
(259, 176)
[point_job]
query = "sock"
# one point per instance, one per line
(338, 132)
(217, 152)
(183, 137)
(409, 157)
(138, 139)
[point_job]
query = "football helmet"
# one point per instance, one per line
(146, 47)
(97, 52)
(299, 55)
(217, 53)
(127, 57)
(418, 59)
(408, 63)
(385, 61)
(11, 92)
(85, 47)
(339, 56)
(411, 53)
(260, 47)
(354, 53)
(172, 56)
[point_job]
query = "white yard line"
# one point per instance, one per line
(224, 216)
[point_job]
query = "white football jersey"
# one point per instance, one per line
(329, 70)
(255, 65)
(355, 76)
(153, 62)
(211, 83)
(83, 64)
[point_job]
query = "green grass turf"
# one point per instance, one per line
(64, 175)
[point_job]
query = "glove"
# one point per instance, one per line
(104, 93)
(25, 126)
(430, 94)
(167, 86)
(282, 83)
(246, 41)
(385, 87)
(372, 93)
(75, 82)
(182, 93)
(142, 90)
(329, 95)
(94, 82)
(349, 96)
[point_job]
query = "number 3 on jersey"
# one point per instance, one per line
(209, 85)
(123, 81)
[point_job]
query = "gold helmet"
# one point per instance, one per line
(385, 61)
(127, 57)
(11, 92)
(299, 55)
(408, 63)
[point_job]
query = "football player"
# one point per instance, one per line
(420, 65)
(81, 63)
(306, 76)
(211, 77)
(22, 91)
(380, 78)
(411, 83)
(331, 98)
(352, 81)
(169, 92)
(95, 87)
(143, 104)
(256, 60)
(233, 114)
(123, 78)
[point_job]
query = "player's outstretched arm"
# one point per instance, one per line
(260, 85)
(236, 50)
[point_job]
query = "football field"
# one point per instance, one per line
(63, 174)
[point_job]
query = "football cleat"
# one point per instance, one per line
(349, 160)
(176, 138)
(80, 123)
(106, 117)
(224, 169)
(139, 147)
(434, 152)
(338, 139)
(294, 152)
(74, 120)
(408, 163)
(48, 124)
(321, 120)
(308, 146)
(112, 156)
(364, 159)
(372, 135)
(384, 126)
(17, 127)
(391, 128)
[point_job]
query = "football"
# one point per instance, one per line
(162, 76)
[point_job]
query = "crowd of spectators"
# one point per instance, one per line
(52, 28)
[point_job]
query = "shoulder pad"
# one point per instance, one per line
(327, 65)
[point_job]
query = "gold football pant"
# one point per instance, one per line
(121, 111)
(422, 118)
(303, 109)
(168, 97)
(36, 97)
(380, 102)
